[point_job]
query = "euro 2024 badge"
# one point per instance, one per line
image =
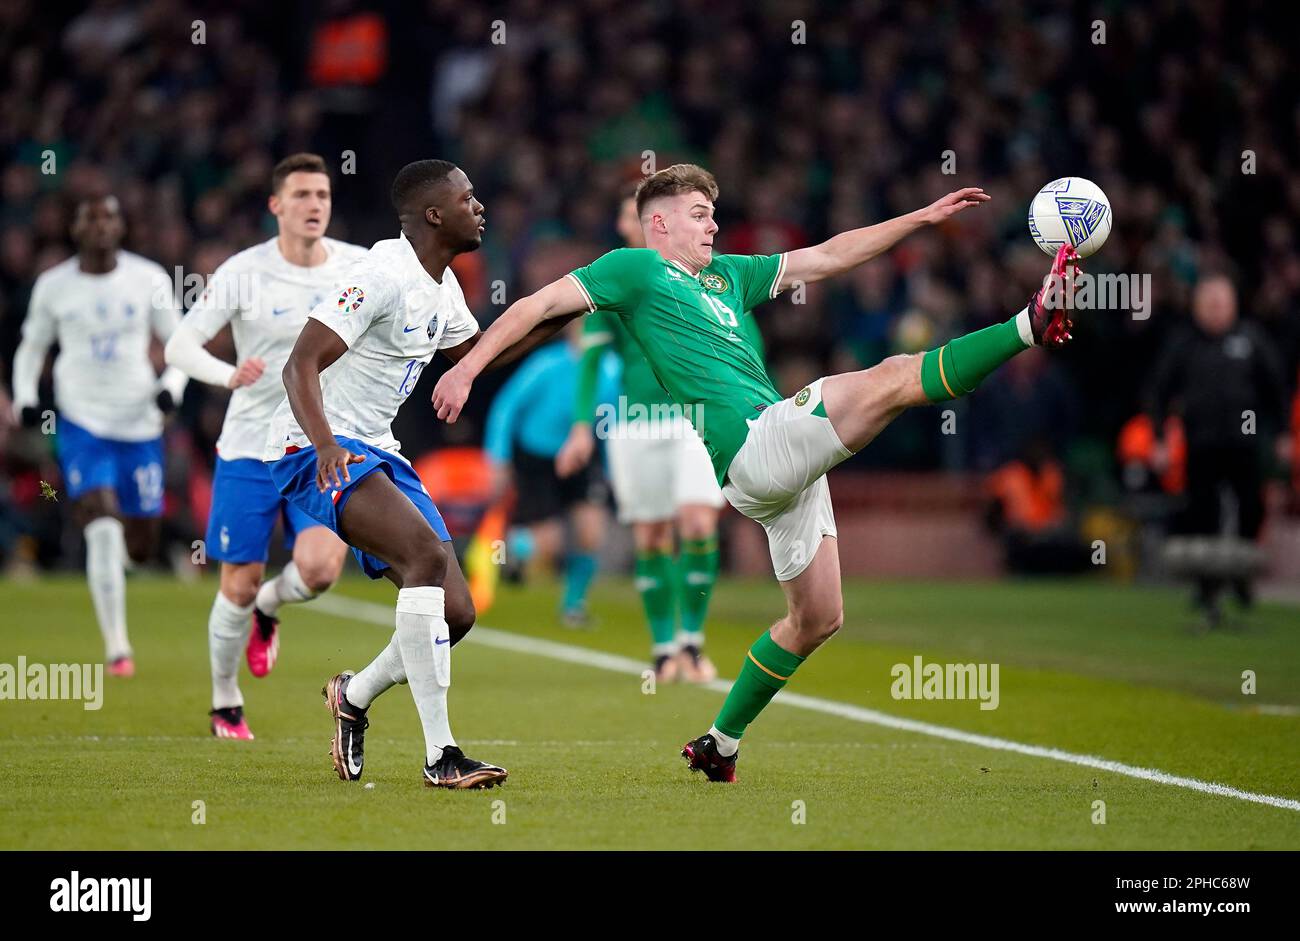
(351, 299)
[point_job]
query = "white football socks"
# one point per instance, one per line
(426, 655)
(1024, 328)
(106, 573)
(690, 639)
(727, 746)
(228, 629)
(382, 673)
(286, 588)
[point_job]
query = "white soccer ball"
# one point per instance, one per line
(1072, 210)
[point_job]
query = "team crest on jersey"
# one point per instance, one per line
(433, 327)
(802, 398)
(714, 282)
(351, 299)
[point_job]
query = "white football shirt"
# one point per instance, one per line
(104, 380)
(265, 299)
(393, 317)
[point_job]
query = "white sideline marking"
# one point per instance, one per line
(1278, 710)
(341, 606)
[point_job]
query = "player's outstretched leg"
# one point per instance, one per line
(815, 612)
(860, 404)
(380, 520)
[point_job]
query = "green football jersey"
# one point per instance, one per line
(693, 332)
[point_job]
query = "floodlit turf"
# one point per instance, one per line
(1086, 667)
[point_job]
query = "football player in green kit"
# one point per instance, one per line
(662, 477)
(683, 305)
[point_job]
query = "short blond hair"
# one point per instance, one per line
(675, 180)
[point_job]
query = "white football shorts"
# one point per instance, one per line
(657, 467)
(778, 478)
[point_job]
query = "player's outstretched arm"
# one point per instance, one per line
(849, 249)
(317, 348)
(185, 351)
(531, 341)
(559, 299)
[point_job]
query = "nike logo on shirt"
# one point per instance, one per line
(442, 640)
(409, 329)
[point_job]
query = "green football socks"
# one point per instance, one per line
(958, 367)
(697, 570)
(658, 589)
(767, 668)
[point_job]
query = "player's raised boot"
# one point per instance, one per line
(1049, 309)
(230, 723)
(348, 746)
(263, 643)
(123, 667)
(457, 771)
(695, 667)
(702, 755)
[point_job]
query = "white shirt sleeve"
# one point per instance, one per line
(165, 316)
(365, 297)
(217, 305)
(185, 352)
(39, 333)
(461, 326)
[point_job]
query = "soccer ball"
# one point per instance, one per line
(1072, 210)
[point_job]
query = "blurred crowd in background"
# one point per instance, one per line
(816, 117)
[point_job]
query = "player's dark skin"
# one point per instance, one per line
(440, 222)
(98, 229)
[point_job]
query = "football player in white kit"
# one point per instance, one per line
(103, 307)
(358, 358)
(264, 293)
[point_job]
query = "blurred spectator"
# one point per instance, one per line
(1224, 380)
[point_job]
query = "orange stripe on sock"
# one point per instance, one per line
(942, 377)
(765, 669)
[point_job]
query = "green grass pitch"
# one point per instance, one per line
(1085, 667)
